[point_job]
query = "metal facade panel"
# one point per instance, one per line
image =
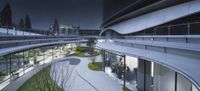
(156, 18)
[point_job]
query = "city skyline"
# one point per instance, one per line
(87, 13)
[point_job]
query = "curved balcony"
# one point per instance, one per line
(179, 53)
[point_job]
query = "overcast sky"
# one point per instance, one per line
(86, 13)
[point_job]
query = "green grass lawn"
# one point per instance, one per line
(81, 54)
(40, 82)
(96, 66)
(126, 89)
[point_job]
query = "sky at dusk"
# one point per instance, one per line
(86, 13)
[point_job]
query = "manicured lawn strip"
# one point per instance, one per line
(40, 82)
(83, 55)
(80, 52)
(96, 66)
(126, 89)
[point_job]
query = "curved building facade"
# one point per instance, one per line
(155, 42)
(21, 55)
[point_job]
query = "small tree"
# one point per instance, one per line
(62, 74)
(93, 59)
(6, 16)
(91, 43)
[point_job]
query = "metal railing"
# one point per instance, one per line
(190, 28)
(178, 29)
(15, 32)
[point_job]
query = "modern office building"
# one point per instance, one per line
(65, 30)
(69, 30)
(147, 45)
(158, 44)
(23, 53)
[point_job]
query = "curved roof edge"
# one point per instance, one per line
(7, 51)
(156, 18)
(147, 9)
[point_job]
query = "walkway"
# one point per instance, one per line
(20, 81)
(84, 79)
(81, 79)
(13, 86)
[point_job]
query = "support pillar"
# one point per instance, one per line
(28, 58)
(23, 63)
(103, 59)
(35, 57)
(60, 50)
(65, 49)
(7, 65)
(10, 56)
(52, 52)
(124, 85)
(18, 60)
(44, 57)
(144, 75)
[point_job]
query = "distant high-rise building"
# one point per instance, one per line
(28, 22)
(64, 30)
(6, 16)
(69, 30)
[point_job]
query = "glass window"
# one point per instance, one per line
(4, 67)
(194, 88)
(164, 78)
(183, 84)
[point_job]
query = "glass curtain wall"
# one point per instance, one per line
(4, 65)
(115, 68)
(166, 79)
(131, 72)
(17, 64)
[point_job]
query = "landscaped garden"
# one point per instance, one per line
(85, 52)
(88, 50)
(96, 66)
(126, 89)
(40, 82)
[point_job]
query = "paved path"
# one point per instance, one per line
(13, 86)
(84, 79)
(20, 81)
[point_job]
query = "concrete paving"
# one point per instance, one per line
(20, 81)
(84, 79)
(81, 78)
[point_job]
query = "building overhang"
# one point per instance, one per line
(188, 67)
(155, 18)
(146, 9)
(11, 50)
